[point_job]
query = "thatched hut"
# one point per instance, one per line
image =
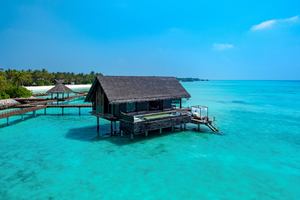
(59, 90)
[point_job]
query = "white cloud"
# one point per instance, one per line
(222, 46)
(274, 22)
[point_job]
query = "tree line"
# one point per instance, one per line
(12, 81)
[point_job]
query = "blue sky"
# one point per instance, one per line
(207, 39)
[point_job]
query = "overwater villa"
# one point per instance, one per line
(142, 104)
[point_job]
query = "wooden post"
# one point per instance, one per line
(62, 110)
(111, 128)
(79, 111)
(57, 96)
(98, 126)
(181, 127)
(160, 131)
(180, 103)
(172, 128)
(146, 133)
(184, 126)
(115, 127)
(131, 136)
(45, 111)
(22, 116)
(34, 113)
(7, 121)
(198, 127)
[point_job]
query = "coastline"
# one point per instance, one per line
(44, 89)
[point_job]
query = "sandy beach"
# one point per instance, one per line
(43, 89)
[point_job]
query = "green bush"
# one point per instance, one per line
(3, 95)
(15, 91)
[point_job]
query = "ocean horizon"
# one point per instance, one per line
(256, 157)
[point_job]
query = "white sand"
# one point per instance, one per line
(43, 89)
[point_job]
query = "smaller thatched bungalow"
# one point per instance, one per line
(140, 103)
(59, 91)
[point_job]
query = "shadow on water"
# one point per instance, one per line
(89, 134)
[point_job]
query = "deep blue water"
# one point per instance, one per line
(59, 157)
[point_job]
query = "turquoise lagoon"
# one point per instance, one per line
(59, 157)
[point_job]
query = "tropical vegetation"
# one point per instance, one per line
(12, 81)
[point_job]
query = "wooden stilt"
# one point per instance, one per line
(160, 131)
(131, 136)
(62, 111)
(184, 126)
(98, 127)
(111, 128)
(45, 111)
(146, 133)
(198, 127)
(7, 121)
(172, 128)
(115, 127)
(79, 111)
(22, 116)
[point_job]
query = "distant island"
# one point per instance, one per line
(191, 79)
(12, 81)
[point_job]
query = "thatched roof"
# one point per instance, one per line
(122, 89)
(60, 88)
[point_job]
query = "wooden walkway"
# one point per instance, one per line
(20, 112)
(31, 108)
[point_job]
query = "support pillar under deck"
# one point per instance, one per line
(111, 128)
(98, 127)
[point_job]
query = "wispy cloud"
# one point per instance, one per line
(222, 46)
(274, 22)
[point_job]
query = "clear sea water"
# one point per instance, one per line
(59, 157)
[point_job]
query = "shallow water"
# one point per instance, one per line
(59, 157)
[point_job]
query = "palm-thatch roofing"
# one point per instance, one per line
(125, 89)
(60, 88)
